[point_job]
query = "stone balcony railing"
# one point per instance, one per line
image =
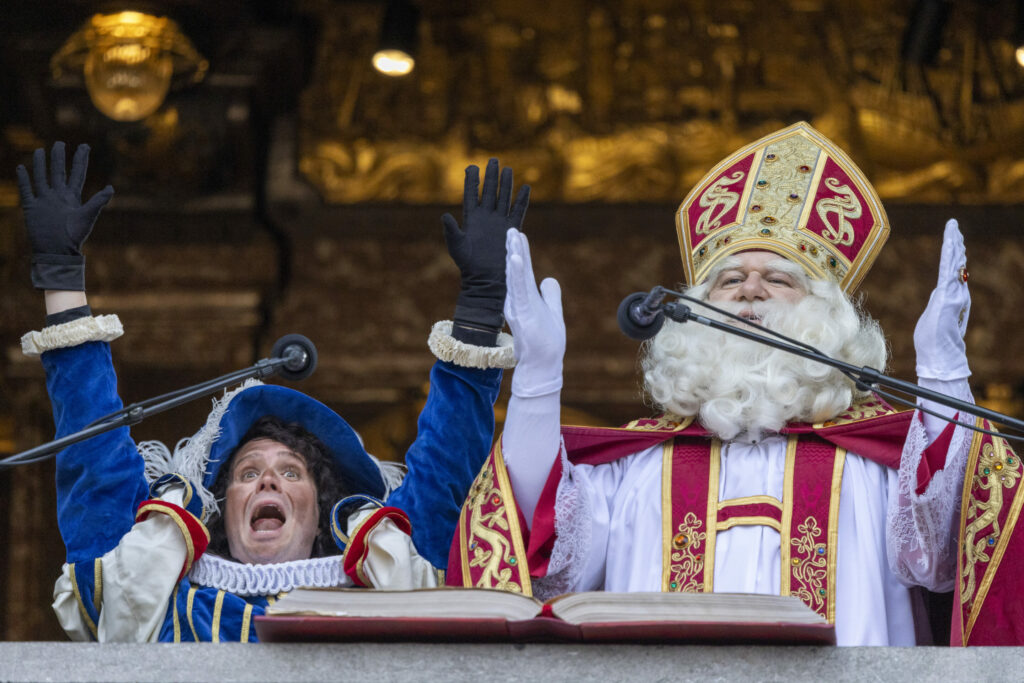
(498, 663)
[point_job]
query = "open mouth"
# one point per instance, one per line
(267, 517)
(750, 317)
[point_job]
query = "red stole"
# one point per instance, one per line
(806, 518)
(488, 550)
(492, 548)
(988, 609)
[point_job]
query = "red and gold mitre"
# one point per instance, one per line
(793, 193)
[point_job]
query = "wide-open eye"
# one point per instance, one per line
(248, 474)
(292, 474)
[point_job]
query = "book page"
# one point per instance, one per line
(435, 603)
(599, 606)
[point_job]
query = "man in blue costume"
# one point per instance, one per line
(276, 489)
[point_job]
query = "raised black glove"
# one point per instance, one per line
(479, 252)
(57, 221)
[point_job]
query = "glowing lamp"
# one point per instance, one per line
(393, 62)
(398, 39)
(129, 61)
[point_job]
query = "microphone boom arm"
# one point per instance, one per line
(288, 352)
(866, 378)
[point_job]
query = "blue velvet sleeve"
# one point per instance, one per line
(100, 481)
(455, 432)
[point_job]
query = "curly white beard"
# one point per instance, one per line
(740, 389)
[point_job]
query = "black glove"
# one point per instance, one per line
(479, 252)
(57, 221)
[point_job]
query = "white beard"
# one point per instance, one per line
(741, 389)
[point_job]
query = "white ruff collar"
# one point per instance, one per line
(268, 579)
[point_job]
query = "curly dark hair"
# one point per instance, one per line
(330, 487)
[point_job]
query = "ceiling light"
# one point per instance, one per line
(128, 61)
(399, 34)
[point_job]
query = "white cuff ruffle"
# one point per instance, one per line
(96, 328)
(448, 348)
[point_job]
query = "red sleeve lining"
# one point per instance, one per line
(197, 538)
(357, 549)
(934, 458)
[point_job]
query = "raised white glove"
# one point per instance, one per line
(939, 335)
(535, 318)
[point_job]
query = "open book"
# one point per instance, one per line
(471, 614)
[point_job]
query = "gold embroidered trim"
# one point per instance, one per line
(463, 529)
(809, 565)
(748, 521)
(686, 564)
(175, 619)
(218, 606)
(991, 473)
(512, 515)
(864, 408)
(750, 500)
(681, 558)
(81, 604)
(786, 524)
(246, 619)
(809, 560)
(489, 545)
(97, 584)
(712, 515)
(188, 612)
(667, 450)
(336, 530)
(663, 422)
(838, 466)
(718, 201)
(997, 468)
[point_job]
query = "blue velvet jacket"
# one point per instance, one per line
(100, 483)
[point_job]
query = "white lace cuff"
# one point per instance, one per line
(448, 348)
(97, 328)
(573, 526)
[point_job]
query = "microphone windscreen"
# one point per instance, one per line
(301, 354)
(637, 324)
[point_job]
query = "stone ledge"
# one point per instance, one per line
(507, 663)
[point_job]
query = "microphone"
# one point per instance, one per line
(640, 315)
(298, 354)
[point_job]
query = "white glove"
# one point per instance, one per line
(939, 335)
(535, 318)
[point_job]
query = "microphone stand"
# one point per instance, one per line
(137, 412)
(866, 378)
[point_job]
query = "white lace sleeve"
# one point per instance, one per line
(572, 535)
(921, 537)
